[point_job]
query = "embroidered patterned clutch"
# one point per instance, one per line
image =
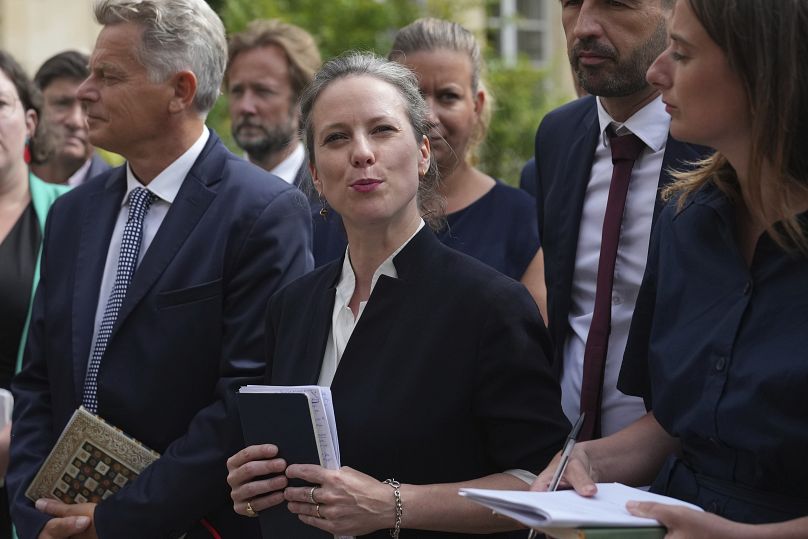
(91, 461)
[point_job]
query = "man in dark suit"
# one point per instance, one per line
(610, 47)
(74, 159)
(155, 279)
(270, 63)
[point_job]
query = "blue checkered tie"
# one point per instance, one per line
(139, 201)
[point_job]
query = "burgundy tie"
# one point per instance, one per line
(625, 150)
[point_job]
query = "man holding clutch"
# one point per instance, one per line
(155, 277)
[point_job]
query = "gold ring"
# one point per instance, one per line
(311, 495)
(250, 511)
(317, 508)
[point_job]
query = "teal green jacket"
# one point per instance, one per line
(42, 196)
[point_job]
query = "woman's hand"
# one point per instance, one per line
(578, 474)
(685, 523)
(349, 502)
(247, 471)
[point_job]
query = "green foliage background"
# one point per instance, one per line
(523, 94)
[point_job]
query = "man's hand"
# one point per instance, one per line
(72, 520)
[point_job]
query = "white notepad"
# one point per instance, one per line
(566, 509)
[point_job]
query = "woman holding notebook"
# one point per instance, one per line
(438, 365)
(718, 343)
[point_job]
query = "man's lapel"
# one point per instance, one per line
(101, 213)
(189, 206)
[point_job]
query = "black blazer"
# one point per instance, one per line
(445, 378)
(565, 149)
(189, 329)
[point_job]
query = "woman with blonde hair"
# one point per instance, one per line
(438, 365)
(485, 218)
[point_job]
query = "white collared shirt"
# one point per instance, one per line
(651, 125)
(165, 186)
(78, 177)
(287, 169)
(342, 318)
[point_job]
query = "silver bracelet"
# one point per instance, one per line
(396, 529)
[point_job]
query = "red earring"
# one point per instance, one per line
(27, 152)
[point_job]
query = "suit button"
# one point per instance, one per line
(747, 289)
(720, 363)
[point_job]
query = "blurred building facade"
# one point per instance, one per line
(34, 30)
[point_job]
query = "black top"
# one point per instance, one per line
(500, 229)
(719, 348)
(445, 378)
(18, 253)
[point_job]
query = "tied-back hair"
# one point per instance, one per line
(177, 35)
(366, 64)
(430, 34)
(297, 44)
(40, 145)
(765, 46)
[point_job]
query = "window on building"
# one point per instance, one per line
(519, 27)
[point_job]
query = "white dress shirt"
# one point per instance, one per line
(651, 125)
(342, 318)
(78, 177)
(287, 169)
(165, 186)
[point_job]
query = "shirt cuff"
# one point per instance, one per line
(524, 475)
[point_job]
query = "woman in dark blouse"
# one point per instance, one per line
(438, 364)
(719, 336)
(485, 218)
(24, 203)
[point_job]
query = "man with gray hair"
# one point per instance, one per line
(154, 282)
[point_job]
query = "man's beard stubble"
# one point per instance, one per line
(274, 139)
(626, 76)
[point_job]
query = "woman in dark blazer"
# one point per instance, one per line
(438, 365)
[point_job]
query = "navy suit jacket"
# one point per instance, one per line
(446, 376)
(189, 331)
(565, 149)
(97, 166)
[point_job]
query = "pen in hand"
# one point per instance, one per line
(569, 445)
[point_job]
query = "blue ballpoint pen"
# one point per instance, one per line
(565, 457)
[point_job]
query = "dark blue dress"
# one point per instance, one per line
(499, 229)
(719, 349)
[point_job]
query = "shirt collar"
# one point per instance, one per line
(287, 169)
(78, 176)
(651, 124)
(167, 184)
(347, 279)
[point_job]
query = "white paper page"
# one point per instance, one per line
(325, 394)
(322, 417)
(566, 509)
